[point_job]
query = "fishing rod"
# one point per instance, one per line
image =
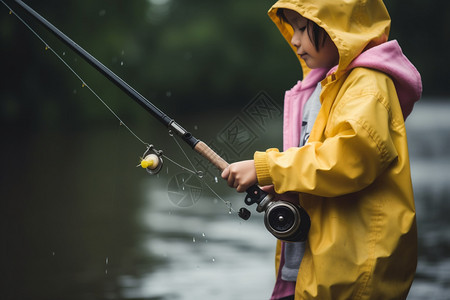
(283, 219)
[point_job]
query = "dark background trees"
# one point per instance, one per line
(182, 55)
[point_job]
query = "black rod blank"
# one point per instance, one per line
(130, 91)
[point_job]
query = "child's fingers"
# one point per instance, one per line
(229, 177)
(225, 173)
(241, 188)
(232, 181)
(240, 175)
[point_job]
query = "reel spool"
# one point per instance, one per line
(287, 221)
(284, 220)
(152, 160)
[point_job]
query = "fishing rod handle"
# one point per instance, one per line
(254, 193)
(208, 153)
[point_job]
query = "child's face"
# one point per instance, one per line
(326, 57)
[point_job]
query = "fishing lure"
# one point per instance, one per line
(284, 220)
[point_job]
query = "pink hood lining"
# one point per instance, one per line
(387, 58)
(294, 101)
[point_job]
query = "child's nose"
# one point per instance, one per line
(295, 40)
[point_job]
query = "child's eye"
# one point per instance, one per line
(302, 28)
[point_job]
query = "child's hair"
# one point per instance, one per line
(316, 34)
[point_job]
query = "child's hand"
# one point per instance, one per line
(241, 175)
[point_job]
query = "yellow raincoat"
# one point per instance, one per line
(353, 175)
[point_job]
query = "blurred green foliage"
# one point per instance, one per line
(184, 56)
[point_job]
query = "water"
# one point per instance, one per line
(429, 140)
(208, 252)
(76, 226)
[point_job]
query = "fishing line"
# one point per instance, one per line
(182, 150)
(283, 219)
(83, 83)
(199, 174)
(178, 165)
(227, 203)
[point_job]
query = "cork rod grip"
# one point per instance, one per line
(210, 155)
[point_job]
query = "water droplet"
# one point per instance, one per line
(193, 239)
(215, 179)
(213, 259)
(106, 260)
(106, 271)
(64, 53)
(170, 132)
(123, 52)
(228, 204)
(203, 234)
(200, 174)
(195, 127)
(121, 63)
(53, 253)
(168, 94)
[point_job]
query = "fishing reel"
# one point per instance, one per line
(152, 160)
(284, 220)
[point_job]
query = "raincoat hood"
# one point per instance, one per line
(360, 30)
(353, 25)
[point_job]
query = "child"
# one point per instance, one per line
(345, 154)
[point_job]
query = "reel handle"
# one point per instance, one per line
(254, 195)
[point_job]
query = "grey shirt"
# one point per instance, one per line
(294, 251)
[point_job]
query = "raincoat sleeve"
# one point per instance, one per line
(356, 148)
